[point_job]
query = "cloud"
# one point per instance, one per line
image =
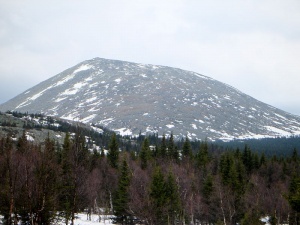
(251, 45)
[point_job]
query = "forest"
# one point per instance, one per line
(159, 181)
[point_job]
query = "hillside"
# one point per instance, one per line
(132, 98)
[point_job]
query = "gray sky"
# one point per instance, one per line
(253, 46)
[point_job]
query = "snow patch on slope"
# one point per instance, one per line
(124, 131)
(82, 68)
(278, 131)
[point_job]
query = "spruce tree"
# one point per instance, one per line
(172, 149)
(121, 195)
(113, 152)
(66, 186)
(248, 159)
(172, 199)
(186, 149)
(262, 159)
(22, 144)
(207, 188)
(163, 147)
(145, 154)
(158, 196)
(294, 198)
(202, 157)
(295, 155)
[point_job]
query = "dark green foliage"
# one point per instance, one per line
(158, 196)
(295, 157)
(121, 196)
(163, 147)
(250, 219)
(113, 152)
(207, 189)
(165, 198)
(262, 159)
(187, 148)
(22, 143)
(270, 146)
(248, 159)
(202, 157)
(294, 193)
(172, 149)
(145, 154)
(172, 202)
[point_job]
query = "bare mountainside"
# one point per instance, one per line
(130, 98)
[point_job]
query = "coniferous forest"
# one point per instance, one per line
(160, 181)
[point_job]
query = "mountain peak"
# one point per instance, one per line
(131, 98)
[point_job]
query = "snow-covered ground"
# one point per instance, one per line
(81, 219)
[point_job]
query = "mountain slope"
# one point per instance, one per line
(132, 98)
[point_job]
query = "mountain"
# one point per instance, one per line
(130, 98)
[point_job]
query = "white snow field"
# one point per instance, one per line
(81, 219)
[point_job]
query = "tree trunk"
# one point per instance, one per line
(222, 207)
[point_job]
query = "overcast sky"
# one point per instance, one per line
(253, 46)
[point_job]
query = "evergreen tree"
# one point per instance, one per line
(227, 171)
(74, 163)
(171, 147)
(187, 149)
(8, 184)
(113, 151)
(172, 199)
(121, 196)
(163, 147)
(295, 155)
(22, 144)
(145, 154)
(241, 178)
(294, 198)
(256, 163)
(207, 188)
(46, 175)
(158, 196)
(202, 157)
(248, 159)
(262, 159)
(66, 181)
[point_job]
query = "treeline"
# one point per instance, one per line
(280, 146)
(166, 183)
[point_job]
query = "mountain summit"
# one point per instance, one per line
(131, 98)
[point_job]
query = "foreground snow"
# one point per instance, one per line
(81, 219)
